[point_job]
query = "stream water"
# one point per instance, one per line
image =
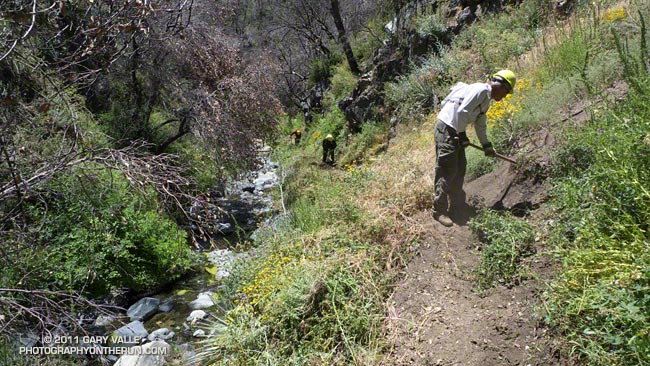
(244, 203)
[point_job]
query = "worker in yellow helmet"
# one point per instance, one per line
(466, 104)
(297, 133)
(329, 144)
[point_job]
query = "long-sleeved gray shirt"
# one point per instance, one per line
(465, 104)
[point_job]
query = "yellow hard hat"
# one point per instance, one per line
(329, 137)
(507, 76)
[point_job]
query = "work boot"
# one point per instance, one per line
(443, 219)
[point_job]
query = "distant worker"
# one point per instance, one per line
(297, 133)
(466, 104)
(329, 144)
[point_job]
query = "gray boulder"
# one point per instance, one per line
(203, 301)
(150, 354)
(130, 334)
(143, 309)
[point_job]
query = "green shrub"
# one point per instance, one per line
(367, 41)
(567, 57)
(501, 37)
(431, 27)
(199, 163)
(101, 235)
(371, 138)
(505, 241)
(332, 122)
(343, 81)
(321, 69)
(414, 93)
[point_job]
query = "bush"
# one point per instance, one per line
(506, 240)
(431, 27)
(504, 36)
(104, 236)
(320, 69)
(367, 41)
(414, 93)
(343, 81)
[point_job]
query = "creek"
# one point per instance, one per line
(177, 315)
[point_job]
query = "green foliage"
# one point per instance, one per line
(115, 119)
(413, 93)
(501, 37)
(343, 81)
(600, 300)
(9, 356)
(371, 138)
(332, 122)
(478, 164)
(430, 26)
(419, 91)
(566, 57)
(200, 163)
(321, 69)
(534, 108)
(104, 236)
(505, 241)
(635, 66)
(367, 41)
(314, 292)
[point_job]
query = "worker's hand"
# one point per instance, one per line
(489, 151)
(464, 141)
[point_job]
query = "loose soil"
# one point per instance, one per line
(436, 317)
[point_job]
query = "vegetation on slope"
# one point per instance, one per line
(345, 228)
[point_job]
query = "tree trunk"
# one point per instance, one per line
(343, 38)
(183, 129)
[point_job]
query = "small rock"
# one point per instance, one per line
(131, 332)
(29, 340)
(196, 315)
(224, 227)
(161, 334)
(199, 333)
(166, 306)
(104, 320)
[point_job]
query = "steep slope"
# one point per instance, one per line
(436, 315)
(437, 318)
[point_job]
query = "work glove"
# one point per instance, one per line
(464, 141)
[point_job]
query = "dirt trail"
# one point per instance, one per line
(436, 318)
